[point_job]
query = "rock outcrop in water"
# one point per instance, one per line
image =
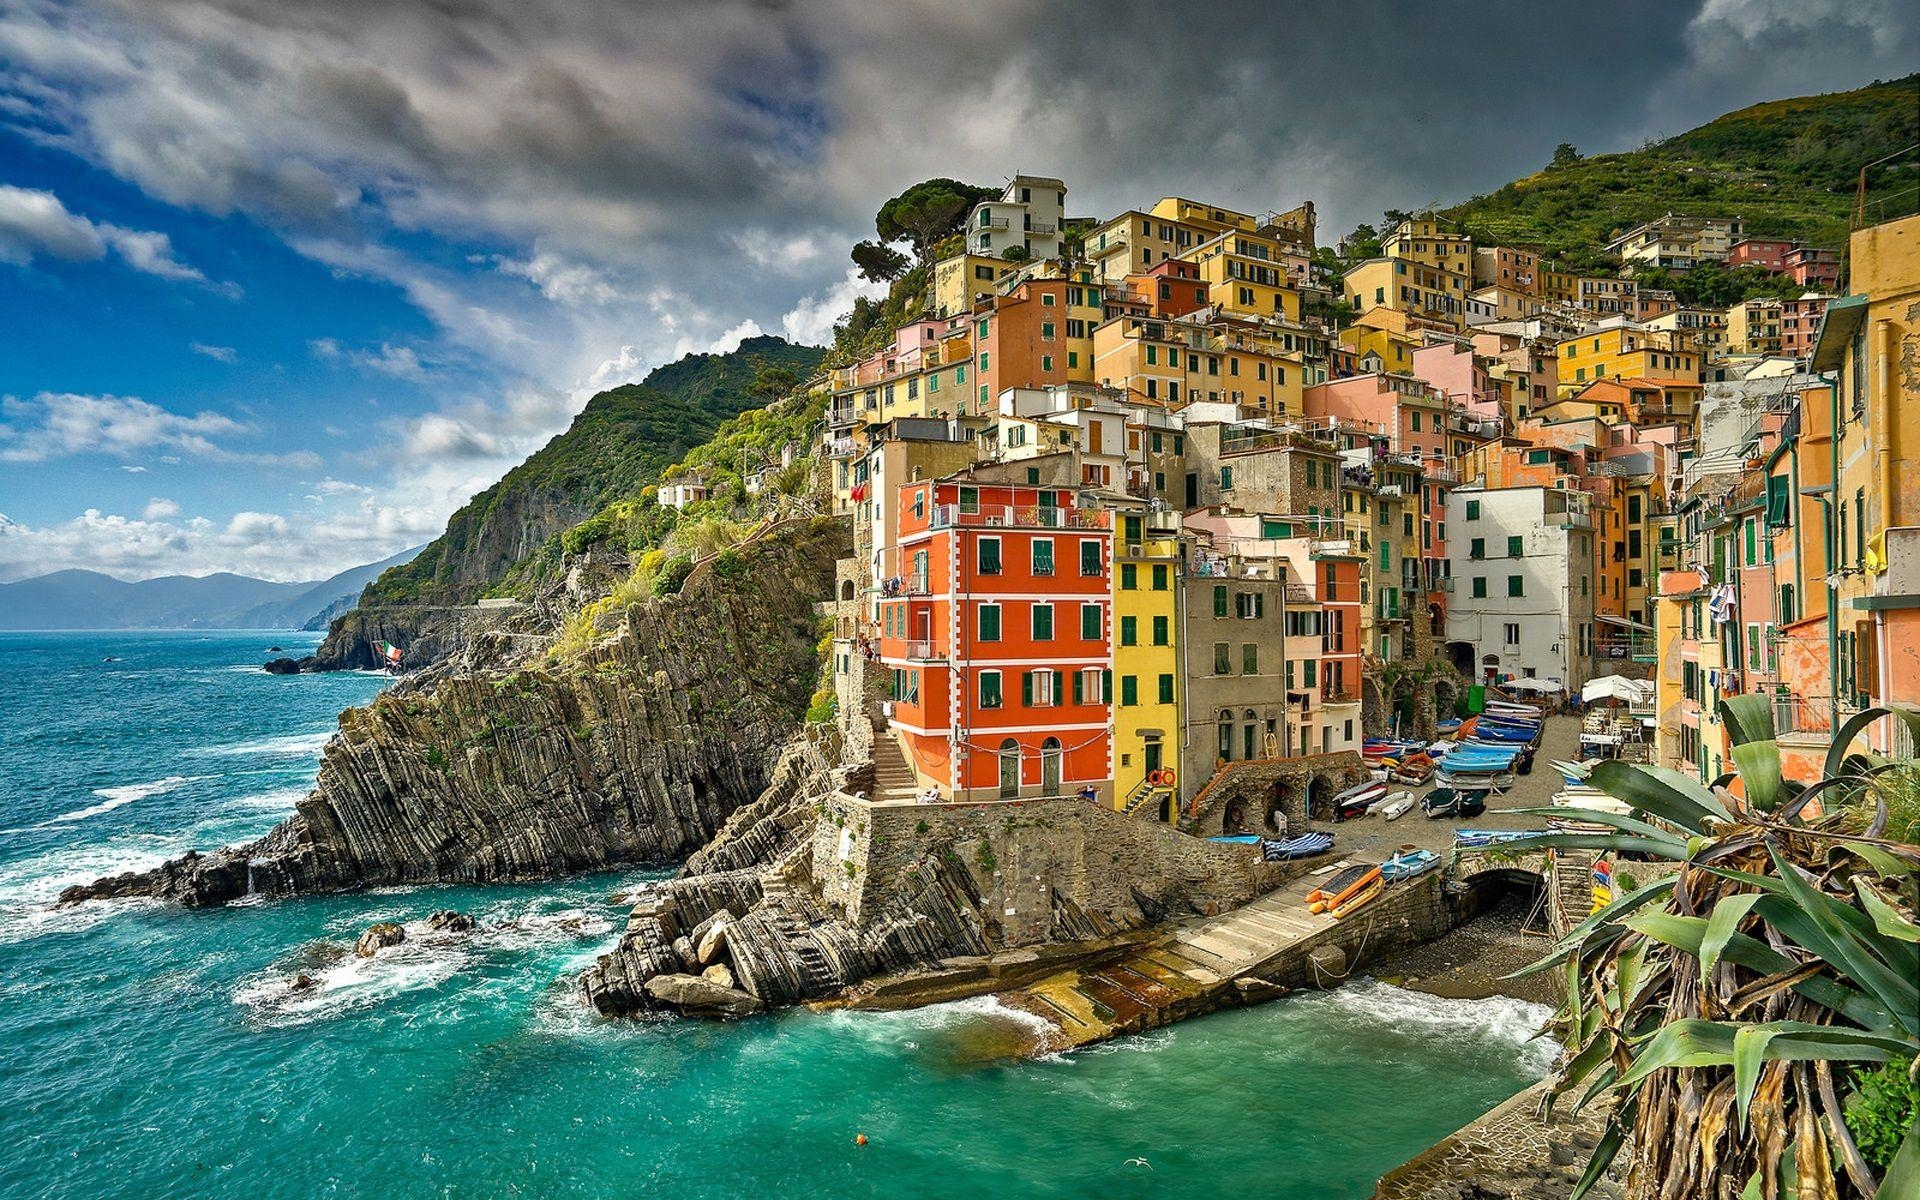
(635, 753)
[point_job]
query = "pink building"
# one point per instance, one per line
(1410, 412)
(1814, 267)
(1800, 323)
(1456, 370)
(1769, 254)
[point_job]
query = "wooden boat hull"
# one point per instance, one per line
(1359, 900)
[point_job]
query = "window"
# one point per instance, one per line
(1166, 689)
(1160, 631)
(1226, 479)
(1043, 622)
(989, 556)
(990, 689)
(1129, 577)
(1046, 328)
(1222, 659)
(1309, 668)
(1160, 577)
(1089, 557)
(1477, 548)
(1479, 587)
(1516, 546)
(1042, 556)
(1129, 691)
(1516, 585)
(1219, 600)
(1092, 624)
(1249, 659)
(1046, 363)
(989, 622)
(1473, 510)
(1040, 689)
(1129, 631)
(1512, 630)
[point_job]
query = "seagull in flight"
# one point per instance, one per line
(1138, 1162)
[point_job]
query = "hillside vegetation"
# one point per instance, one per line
(617, 448)
(1788, 166)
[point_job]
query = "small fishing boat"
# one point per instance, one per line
(1238, 839)
(1360, 899)
(1342, 887)
(1395, 806)
(1304, 846)
(1407, 864)
(1475, 839)
(1356, 800)
(1454, 802)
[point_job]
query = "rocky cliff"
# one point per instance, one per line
(635, 752)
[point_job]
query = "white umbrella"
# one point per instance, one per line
(1618, 687)
(1532, 685)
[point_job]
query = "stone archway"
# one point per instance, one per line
(1373, 707)
(1403, 707)
(846, 589)
(1446, 695)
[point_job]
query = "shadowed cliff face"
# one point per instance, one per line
(636, 753)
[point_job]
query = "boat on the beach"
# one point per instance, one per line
(1407, 864)
(1343, 887)
(1360, 899)
(1238, 839)
(1454, 802)
(1477, 839)
(1304, 846)
(1356, 800)
(1395, 806)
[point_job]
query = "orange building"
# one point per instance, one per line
(997, 635)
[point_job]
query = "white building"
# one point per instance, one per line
(1522, 565)
(1028, 213)
(678, 493)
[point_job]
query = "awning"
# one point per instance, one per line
(1636, 626)
(1532, 685)
(1837, 327)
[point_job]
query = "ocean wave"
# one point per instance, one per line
(288, 744)
(28, 886)
(1500, 1019)
(287, 995)
(120, 797)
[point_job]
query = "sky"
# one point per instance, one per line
(283, 284)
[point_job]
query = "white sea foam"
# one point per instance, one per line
(348, 984)
(286, 744)
(120, 797)
(29, 885)
(1501, 1019)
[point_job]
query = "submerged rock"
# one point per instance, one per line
(377, 937)
(449, 921)
(282, 666)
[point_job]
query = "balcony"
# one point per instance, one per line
(991, 223)
(1570, 520)
(842, 447)
(1003, 516)
(924, 651)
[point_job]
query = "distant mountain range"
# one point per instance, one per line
(90, 600)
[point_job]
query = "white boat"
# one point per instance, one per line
(1396, 806)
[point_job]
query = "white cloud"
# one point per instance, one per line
(811, 321)
(561, 281)
(726, 343)
(225, 354)
(401, 362)
(33, 223)
(159, 508)
(61, 424)
(624, 367)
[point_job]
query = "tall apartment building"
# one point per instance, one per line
(1028, 214)
(1523, 598)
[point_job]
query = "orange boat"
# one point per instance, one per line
(1342, 888)
(1359, 899)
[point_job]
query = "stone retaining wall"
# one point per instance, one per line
(1025, 856)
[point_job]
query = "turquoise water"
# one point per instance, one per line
(150, 1051)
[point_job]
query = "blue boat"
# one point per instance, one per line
(1407, 864)
(1239, 839)
(1473, 839)
(1305, 846)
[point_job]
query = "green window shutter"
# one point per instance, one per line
(1308, 669)
(1516, 546)
(1166, 689)
(1042, 557)
(1079, 688)
(1222, 662)
(1160, 577)
(1516, 585)
(989, 556)
(1219, 600)
(1089, 622)
(1042, 622)
(1249, 659)
(1159, 631)
(1129, 631)
(1479, 587)
(1026, 689)
(1106, 686)
(1089, 557)
(1129, 690)
(1473, 510)
(1129, 577)
(990, 622)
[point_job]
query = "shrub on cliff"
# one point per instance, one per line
(1726, 1007)
(672, 574)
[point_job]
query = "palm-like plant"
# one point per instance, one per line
(1724, 1006)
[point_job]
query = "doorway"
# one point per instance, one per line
(1009, 769)
(1050, 767)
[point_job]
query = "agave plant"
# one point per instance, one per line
(1726, 1005)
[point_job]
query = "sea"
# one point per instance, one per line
(149, 1051)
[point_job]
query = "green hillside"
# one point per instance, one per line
(1788, 166)
(617, 446)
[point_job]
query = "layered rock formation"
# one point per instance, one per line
(635, 753)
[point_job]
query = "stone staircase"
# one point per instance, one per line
(1572, 884)
(893, 776)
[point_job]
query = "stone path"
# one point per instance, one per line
(1175, 978)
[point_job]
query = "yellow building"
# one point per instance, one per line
(1428, 240)
(1174, 362)
(1435, 295)
(1624, 350)
(1561, 287)
(1372, 336)
(1753, 327)
(1146, 660)
(1246, 275)
(960, 280)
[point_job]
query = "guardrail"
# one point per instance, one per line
(946, 516)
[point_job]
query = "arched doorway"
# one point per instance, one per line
(846, 589)
(1050, 767)
(1490, 668)
(1250, 734)
(1009, 769)
(1226, 736)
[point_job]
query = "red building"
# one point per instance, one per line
(996, 632)
(1800, 323)
(1814, 267)
(1769, 254)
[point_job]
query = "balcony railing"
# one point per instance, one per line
(946, 516)
(842, 447)
(924, 651)
(991, 223)
(1571, 519)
